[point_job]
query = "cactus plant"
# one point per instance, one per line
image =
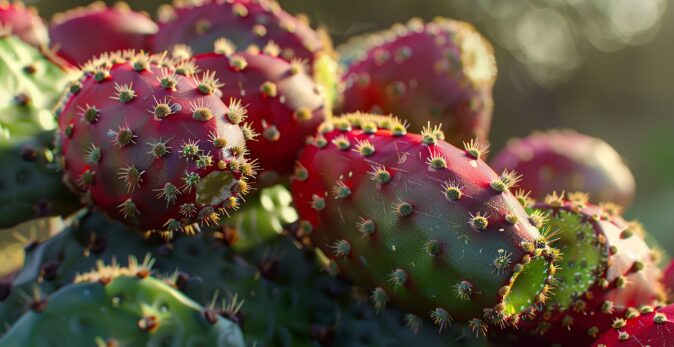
(199, 24)
(23, 22)
(82, 33)
(442, 71)
(651, 327)
(176, 156)
(286, 298)
(263, 218)
(606, 270)
(121, 306)
(31, 81)
(30, 184)
(565, 160)
(284, 105)
(423, 224)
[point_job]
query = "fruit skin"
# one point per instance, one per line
(653, 327)
(607, 271)
(247, 22)
(375, 230)
(564, 160)
(82, 33)
(175, 156)
(31, 182)
(441, 71)
(284, 105)
(23, 22)
(118, 306)
(287, 299)
(32, 80)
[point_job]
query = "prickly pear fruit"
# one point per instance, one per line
(649, 327)
(606, 269)
(276, 291)
(139, 139)
(442, 71)
(30, 84)
(30, 184)
(283, 103)
(23, 22)
(420, 222)
(564, 160)
(199, 24)
(83, 33)
(116, 305)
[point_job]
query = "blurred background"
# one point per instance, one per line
(603, 67)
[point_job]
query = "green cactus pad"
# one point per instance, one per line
(30, 85)
(30, 184)
(130, 310)
(262, 218)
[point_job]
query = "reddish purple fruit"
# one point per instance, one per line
(151, 145)
(564, 160)
(83, 33)
(606, 269)
(420, 222)
(198, 24)
(23, 22)
(284, 105)
(649, 327)
(442, 71)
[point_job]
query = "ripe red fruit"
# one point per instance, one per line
(153, 146)
(442, 71)
(284, 105)
(83, 33)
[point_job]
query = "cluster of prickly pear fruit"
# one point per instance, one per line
(182, 136)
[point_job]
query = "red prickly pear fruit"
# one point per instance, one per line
(153, 146)
(420, 222)
(83, 33)
(649, 327)
(564, 160)
(198, 24)
(23, 22)
(442, 71)
(284, 105)
(606, 269)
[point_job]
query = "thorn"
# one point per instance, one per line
(380, 298)
(441, 318)
(169, 193)
(131, 176)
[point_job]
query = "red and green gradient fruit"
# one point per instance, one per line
(419, 222)
(564, 160)
(440, 72)
(151, 146)
(652, 327)
(606, 270)
(23, 22)
(82, 33)
(284, 105)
